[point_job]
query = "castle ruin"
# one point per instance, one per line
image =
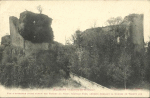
(27, 31)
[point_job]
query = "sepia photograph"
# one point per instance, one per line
(80, 48)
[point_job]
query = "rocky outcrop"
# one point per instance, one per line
(35, 27)
(31, 32)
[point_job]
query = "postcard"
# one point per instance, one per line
(77, 48)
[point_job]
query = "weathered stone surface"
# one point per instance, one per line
(16, 38)
(18, 41)
(34, 47)
(135, 23)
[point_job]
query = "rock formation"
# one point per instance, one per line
(16, 38)
(31, 31)
(35, 27)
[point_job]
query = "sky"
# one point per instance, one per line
(69, 16)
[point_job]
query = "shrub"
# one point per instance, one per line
(39, 69)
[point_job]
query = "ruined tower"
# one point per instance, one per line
(31, 31)
(136, 31)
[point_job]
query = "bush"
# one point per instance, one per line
(39, 69)
(37, 27)
(100, 58)
(148, 63)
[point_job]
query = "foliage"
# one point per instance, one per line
(121, 72)
(92, 55)
(40, 69)
(63, 58)
(95, 54)
(1, 51)
(39, 8)
(100, 58)
(114, 21)
(36, 28)
(77, 38)
(148, 63)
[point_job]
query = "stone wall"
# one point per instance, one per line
(34, 47)
(16, 39)
(137, 33)
(134, 23)
(131, 28)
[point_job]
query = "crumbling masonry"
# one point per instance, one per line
(27, 32)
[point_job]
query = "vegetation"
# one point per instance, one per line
(40, 69)
(103, 56)
(148, 63)
(39, 8)
(36, 27)
(99, 57)
(114, 21)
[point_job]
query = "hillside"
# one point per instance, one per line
(29, 56)
(112, 56)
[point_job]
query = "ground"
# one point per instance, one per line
(68, 88)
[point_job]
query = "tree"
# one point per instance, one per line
(124, 63)
(63, 58)
(148, 62)
(114, 21)
(94, 24)
(121, 72)
(39, 8)
(76, 38)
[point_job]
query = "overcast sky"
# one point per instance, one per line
(69, 16)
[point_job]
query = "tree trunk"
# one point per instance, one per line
(125, 84)
(125, 79)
